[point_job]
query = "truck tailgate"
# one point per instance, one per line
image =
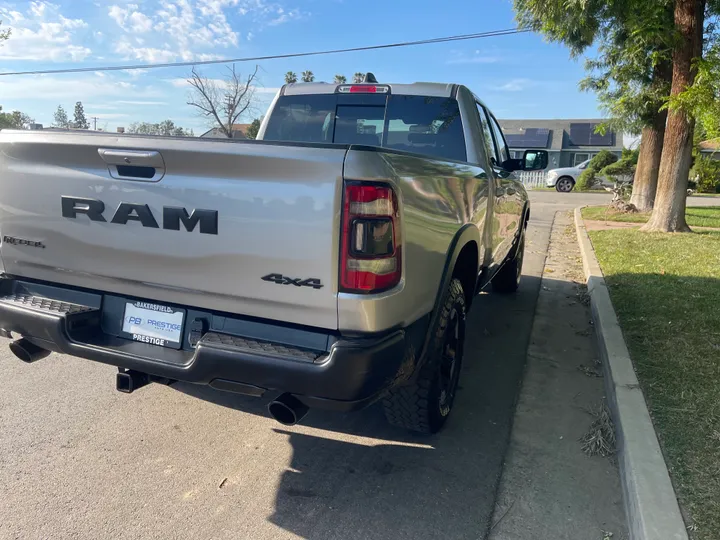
(277, 212)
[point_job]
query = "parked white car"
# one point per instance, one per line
(565, 178)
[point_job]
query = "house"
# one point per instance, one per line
(239, 131)
(568, 142)
(710, 148)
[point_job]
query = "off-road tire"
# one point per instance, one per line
(507, 280)
(421, 405)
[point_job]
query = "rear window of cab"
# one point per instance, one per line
(421, 124)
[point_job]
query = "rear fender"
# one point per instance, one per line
(467, 234)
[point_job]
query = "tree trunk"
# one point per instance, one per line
(648, 166)
(669, 211)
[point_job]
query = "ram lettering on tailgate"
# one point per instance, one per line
(171, 218)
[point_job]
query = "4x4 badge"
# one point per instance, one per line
(298, 282)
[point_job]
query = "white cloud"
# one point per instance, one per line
(37, 8)
(129, 19)
(43, 33)
(190, 29)
(118, 14)
(60, 89)
(516, 85)
(285, 16)
(14, 16)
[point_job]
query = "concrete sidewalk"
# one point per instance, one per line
(549, 487)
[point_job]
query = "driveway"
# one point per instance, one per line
(79, 460)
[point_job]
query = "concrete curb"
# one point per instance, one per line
(650, 504)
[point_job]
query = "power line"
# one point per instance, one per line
(463, 37)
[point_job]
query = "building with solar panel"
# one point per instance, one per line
(568, 142)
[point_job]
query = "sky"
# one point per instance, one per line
(517, 76)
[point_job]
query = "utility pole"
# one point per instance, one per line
(94, 119)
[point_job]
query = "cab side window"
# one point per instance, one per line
(499, 139)
(490, 148)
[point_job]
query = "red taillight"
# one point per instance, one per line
(371, 254)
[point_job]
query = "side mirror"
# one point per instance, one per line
(532, 160)
(535, 160)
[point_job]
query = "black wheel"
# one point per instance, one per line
(507, 280)
(565, 184)
(425, 404)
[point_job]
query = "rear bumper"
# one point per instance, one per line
(344, 374)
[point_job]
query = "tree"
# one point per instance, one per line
(166, 128)
(308, 76)
(79, 120)
(623, 169)
(291, 77)
(631, 74)
(253, 128)
(702, 99)
(340, 79)
(358, 77)
(669, 212)
(4, 34)
(14, 120)
(706, 174)
(223, 103)
(61, 118)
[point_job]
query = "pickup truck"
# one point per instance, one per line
(329, 264)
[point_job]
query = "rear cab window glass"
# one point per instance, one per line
(420, 124)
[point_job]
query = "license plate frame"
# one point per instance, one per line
(154, 324)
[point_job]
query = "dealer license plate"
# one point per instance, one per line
(153, 323)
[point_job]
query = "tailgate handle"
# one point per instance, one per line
(138, 165)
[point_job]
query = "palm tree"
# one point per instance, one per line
(308, 76)
(291, 77)
(358, 77)
(340, 79)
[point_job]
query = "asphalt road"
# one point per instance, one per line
(80, 460)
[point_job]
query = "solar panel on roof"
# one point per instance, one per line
(584, 135)
(601, 140)
(532, 138)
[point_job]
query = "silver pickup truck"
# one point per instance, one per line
(329, 264)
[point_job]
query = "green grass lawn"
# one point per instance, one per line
(696, 216)
(666, 291)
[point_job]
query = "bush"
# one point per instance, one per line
(620, 171)
(587, 180)
(601, 160)
(706, 173)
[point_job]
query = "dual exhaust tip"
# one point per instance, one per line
(286, 408)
